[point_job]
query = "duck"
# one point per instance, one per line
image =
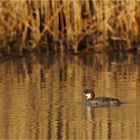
(91, 100)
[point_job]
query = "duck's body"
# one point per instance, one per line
(103, 101)
(100, 101)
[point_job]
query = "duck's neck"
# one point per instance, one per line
(90, 98)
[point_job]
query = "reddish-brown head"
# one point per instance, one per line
(89, 93)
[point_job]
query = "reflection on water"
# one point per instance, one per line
(42, 97)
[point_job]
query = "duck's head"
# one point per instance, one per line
(89, 94)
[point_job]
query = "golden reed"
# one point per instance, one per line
(67, 25)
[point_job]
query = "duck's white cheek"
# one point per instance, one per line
(88, 96)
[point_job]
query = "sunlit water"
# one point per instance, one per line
(42, 97)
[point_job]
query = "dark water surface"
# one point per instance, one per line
(42, 97)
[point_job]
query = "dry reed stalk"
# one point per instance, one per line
(11, 22)
(67, 21)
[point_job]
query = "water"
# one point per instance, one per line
(42, 97)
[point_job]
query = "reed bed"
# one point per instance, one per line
(68, 26)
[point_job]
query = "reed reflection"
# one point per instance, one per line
(41, 97)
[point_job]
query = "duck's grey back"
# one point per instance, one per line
(106, 99)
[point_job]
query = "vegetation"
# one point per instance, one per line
(63, 26)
